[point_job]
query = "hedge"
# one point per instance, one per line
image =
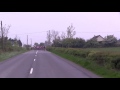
(110, 60)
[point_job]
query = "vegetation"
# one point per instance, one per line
(101, 57)
(101, 62)
(8, 46)
(67, 40)
(81, 43)
(6, 55)
(37, 44)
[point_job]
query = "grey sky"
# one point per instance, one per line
(86, 24)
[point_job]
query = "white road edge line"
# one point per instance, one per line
(31, 70)
(34, 59)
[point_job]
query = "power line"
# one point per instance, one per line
(28, 33)
(62, 31)
(99, 32)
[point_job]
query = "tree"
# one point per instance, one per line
(36, 44)
(67, 42)
(70, 32)
(78, 43)
(63, 36)
(57, 42)
(5, 30)
(4, 33)
(54, 34)
(20, 43)
(28, 47)
(16, 43)
(42, 44)
(73, 42)
(110, 40)
(92, 43)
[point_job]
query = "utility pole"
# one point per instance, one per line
(31, 42)
(49, 37)
(27, 39)
(2, 34)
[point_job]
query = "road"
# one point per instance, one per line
(42, 64)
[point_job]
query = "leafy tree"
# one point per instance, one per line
(57, 42)
(36, 44)
(20, 43)
(42, 44)
(79, 43)
(110, 40)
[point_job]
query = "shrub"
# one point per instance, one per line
(116, 63)
(91, 55)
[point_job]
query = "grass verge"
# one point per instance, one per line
(90, 65)
(6, 55)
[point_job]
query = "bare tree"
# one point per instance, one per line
(16, 39)
(54, 34)
(63, 36)
(70, 32)
(5, 30)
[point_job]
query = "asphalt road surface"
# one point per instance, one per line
(42, 64)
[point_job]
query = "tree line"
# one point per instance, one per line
(67, 40)
(8, 44)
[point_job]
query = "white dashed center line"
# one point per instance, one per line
(36, 52)
(34, 59)
(31, 70)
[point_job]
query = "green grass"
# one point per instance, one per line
(90, 65)
(6, 55)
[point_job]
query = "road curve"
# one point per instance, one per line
(42, 64)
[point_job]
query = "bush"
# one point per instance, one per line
(99, 57)
(84, 53)
(116, 63)
(91, 55)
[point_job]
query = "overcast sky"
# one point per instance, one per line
(36, 24)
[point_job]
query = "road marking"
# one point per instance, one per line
(36, 52)
(35, 55)
(31, 70)
(34, 59)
